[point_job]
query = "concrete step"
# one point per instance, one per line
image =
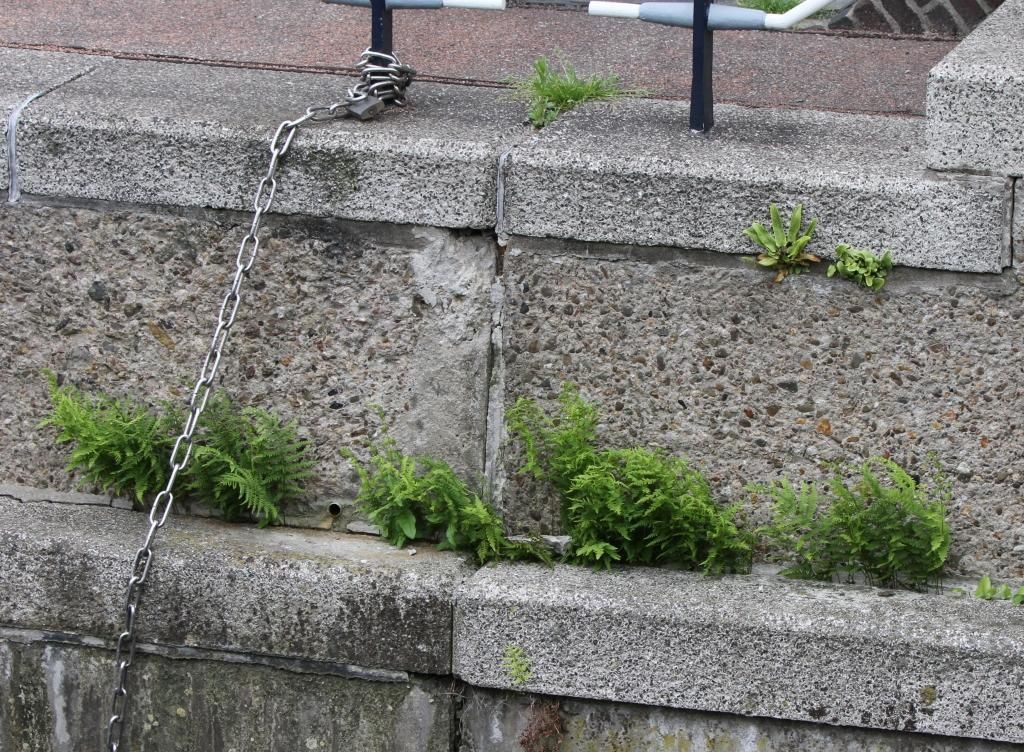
(630, 172)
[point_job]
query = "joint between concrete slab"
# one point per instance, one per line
(1016, 223)
(500, 223)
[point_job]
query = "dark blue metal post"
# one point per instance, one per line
(702, 103)
(380, 27)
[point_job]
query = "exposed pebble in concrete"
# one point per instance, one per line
(756, 381)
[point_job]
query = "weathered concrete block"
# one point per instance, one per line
(26, 74)
(56, 698)
(336, 317)
(496, 721)
(750, 646)
(304, 594)
(190, 135)
(706, 357)
(975, 99)
(629, 172)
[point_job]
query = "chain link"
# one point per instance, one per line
(382, 76)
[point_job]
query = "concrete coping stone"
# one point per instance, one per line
(630, 172)
(625, 172)
(306, 594)
(975, 99)
(193, 135)
(28, 74)
(751, 645)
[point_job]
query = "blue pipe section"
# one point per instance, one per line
(720, 17)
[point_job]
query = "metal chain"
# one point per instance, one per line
(383, 76)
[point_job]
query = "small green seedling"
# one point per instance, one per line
(990, 591)
(861, 266)
(550, 93)
(784, 249)
(517, 665)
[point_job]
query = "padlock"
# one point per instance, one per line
(365, 108)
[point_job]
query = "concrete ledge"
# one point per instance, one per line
(750, 646)
(302, 594)
(28, 74)
(191, 135)
(975, 99)
(629, 172)
(196, 136)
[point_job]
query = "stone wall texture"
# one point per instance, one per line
(336, 318)
(755, 381)
(953, 19)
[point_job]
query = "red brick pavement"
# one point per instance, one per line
(804, 70)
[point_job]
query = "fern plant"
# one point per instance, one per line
(631, 505)
(119, 446)
(244, 463)
(885, 526)
(410, 498)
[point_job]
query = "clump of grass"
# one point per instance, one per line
(781, 6)
(245, 463)
(410, 498)
(549, 93)
(632, 505)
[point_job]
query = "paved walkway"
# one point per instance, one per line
(804, 70)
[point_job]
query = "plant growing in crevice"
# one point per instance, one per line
(990, 591)
(861, 266)
(517, 665)
(244, 462)
(635, 505)
(119, 445)
(885, 526)
(410, 498)
(784, 248)
(550, 93)
(247, 462)
(544, 729)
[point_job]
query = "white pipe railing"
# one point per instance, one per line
(719, 16)
(427, 4)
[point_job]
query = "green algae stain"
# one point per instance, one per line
(929, 695)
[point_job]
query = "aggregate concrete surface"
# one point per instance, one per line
(343, 316)
(313, 595)
(621, 172)
(707, 357)
(191, 135)
(758, 69)
(976, 99)
(28, 74)
(748, 645)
